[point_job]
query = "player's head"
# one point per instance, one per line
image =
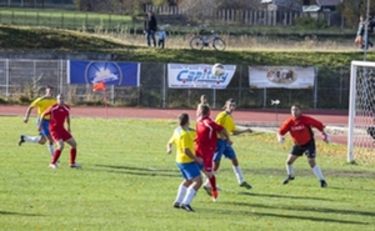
(60, 99)
(230, 105)
(203, 99)
(183, 119)
(295, 110)
(205, 110)
(48, 90)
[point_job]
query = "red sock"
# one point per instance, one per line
(73, 154)
(213, 183)
(56, 156)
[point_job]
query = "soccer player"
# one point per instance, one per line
(224, 146)
(188, 163)
(203, 101)
(207, 132)
(41, 103)
(300, 128)
(59, 114)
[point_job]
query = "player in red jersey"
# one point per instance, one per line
(207, 132)
(300, 128)
(59, 113)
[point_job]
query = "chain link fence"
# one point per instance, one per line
(21, 80)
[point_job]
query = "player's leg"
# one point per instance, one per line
(59, 148)
(215, 165)
(212, 180)
(30, 139)
(289, 165)
(181, 193)
(39, 139)
(47, 136)
(231, 154)
(311, 155)
(73, 152)
(193, 172)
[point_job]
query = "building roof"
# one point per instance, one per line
(328, 2)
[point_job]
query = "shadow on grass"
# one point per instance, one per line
(19, 214)
(137, 170)
(286, 216)
(304, 209)
(285, 196)
(308, 172)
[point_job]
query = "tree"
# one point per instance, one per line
(352, 9)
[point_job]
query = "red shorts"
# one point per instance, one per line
(207, 156)
(60, 134)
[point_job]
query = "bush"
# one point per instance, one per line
(306, 22)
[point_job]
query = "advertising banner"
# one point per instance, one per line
(198, 76)
(281, 77)
(110, 73)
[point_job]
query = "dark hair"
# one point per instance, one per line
(205, 110)
(297, 106)
(229, 101)
(183, 119)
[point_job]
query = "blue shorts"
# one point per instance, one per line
(307, 149)
(189, 170)
(44, 128)
(223, 148)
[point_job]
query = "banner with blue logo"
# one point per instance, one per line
(198, 76)
(110, 73)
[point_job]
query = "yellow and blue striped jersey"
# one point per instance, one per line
(183, 139)
(42, 104)
(226, 120)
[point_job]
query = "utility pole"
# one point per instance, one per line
(366, 29)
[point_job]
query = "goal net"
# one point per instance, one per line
(361, 124)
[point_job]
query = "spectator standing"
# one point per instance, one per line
(151, 26)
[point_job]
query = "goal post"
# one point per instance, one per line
(361, 121)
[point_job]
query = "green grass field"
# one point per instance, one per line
(63, 18)
(128, 183)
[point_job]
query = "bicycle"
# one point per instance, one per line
(198, 42)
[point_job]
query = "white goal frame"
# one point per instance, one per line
(352, 105)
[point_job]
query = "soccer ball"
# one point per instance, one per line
(217, 70)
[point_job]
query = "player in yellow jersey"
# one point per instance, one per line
(187, 162)
(41, 104)
(224, 147)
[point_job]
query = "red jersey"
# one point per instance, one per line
(58, 114)
(207, 130)
(300, 128)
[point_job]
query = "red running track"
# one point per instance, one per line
(249, 117)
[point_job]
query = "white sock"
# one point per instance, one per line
(237, 171)
(189, 196)
(181, 193)
(207, 183)
(51, 149)
(289, 170)
(32, 139)
(317, 172)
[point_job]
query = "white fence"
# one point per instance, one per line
(21, 80)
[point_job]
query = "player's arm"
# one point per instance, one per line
(68, 122)
(239, 130)
(27, 113)
(170, 143)
(283, 130)
(225, 134)
(44, 114)
(33, 104)
(190, 154)
(320, 126)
